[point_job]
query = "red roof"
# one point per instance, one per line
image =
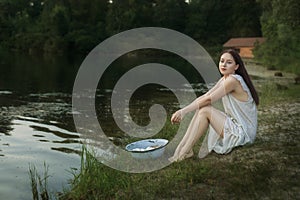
(243, 42)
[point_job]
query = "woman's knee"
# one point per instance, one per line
(206, 111)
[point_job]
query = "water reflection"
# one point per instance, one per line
(35, 133)
(26, 74)
(36, 123)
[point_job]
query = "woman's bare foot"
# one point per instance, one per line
(180, 158)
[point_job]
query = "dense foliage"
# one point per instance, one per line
(281, 27)
(79, 25)
(58, 26)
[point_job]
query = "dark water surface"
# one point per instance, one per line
(36, 124)
(36, 121)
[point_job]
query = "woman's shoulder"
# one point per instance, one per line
(237, 77)
(233, 79)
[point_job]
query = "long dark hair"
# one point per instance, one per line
(243, 72)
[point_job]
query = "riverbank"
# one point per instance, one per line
(267, 169)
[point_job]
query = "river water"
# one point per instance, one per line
(36, 125)
(36, 121)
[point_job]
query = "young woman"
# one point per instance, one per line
(234, 127)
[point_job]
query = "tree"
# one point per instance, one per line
(9, 11)
(127, 14)
(281, 27)
(170, 14)
(34, 8)
(81, 25)
(215, 21)
(87, 23)
(244, 20)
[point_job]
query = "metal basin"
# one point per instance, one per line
(149, 148)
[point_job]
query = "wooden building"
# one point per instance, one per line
(244, 45)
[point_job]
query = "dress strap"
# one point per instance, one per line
(243, 83)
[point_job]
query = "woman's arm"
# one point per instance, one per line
(228, 85)
(214, 87)
(203, 98)
(223, 87)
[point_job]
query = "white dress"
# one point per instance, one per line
(240, 125)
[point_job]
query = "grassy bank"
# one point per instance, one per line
(267, 169)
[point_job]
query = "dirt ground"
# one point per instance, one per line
(269, 168)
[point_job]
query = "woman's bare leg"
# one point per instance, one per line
(198, 126)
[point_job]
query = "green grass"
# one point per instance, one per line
(211, 178)
(249, 172)
(270, 93)
(97, 181)
(39, 185)
(244, 173)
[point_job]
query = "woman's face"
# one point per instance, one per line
(227, 64)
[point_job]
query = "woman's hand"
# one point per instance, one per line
(176, 117)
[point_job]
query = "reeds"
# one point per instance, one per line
(39, 185)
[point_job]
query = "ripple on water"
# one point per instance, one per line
(35, 141)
